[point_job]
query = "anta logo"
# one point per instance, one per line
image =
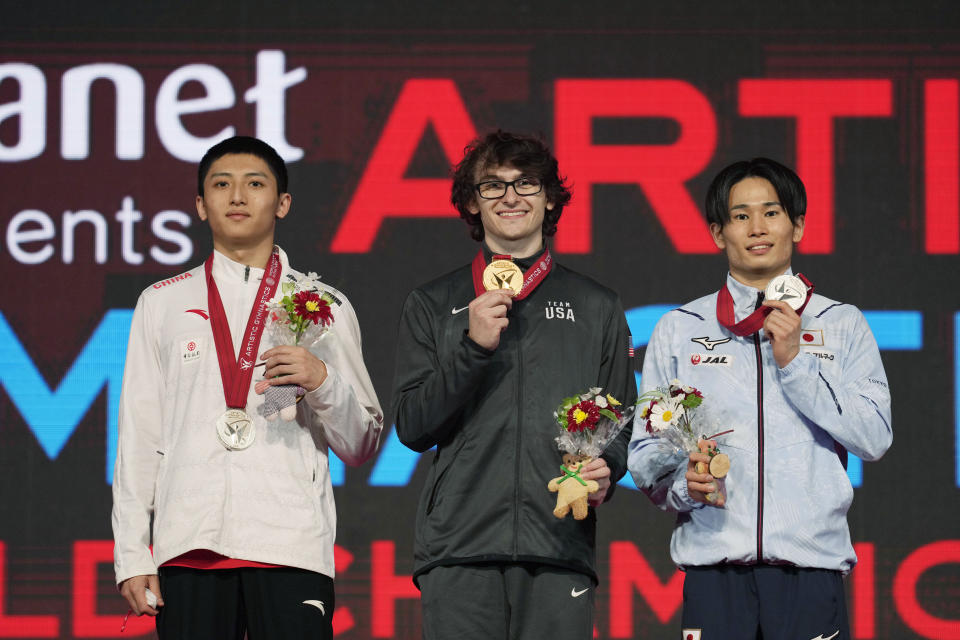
(173, 280)
(558, 310)
(707, 359)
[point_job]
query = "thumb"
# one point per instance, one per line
(153, 583)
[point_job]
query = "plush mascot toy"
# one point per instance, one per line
(572, 490)
(280, 400)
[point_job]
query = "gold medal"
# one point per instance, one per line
(503, 274)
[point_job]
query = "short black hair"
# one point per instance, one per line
(789, 188)
(244, 145)
(527, 154)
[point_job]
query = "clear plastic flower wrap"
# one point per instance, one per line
(590, 421)
(300, 318)
(676, 415)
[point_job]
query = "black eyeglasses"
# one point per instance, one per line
(523, 186)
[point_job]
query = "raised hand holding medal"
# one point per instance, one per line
(498, 285)
(786, 295)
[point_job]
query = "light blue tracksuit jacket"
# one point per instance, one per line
(787, 490)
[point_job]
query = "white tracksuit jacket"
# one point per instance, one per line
(787, 490)
(272, 502)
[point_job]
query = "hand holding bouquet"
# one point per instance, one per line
(588, 423)
(301, 317)
(669, 413)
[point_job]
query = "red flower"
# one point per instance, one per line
(583, 415)
(310, 306)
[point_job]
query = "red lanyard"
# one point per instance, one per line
(752, 323)
(531, 278)
(236, 375)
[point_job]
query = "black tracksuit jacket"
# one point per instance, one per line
(490, 415)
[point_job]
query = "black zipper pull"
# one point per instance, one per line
(246, 273)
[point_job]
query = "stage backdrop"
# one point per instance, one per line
(104, 114)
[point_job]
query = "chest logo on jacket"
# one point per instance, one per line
(705, 359)
(554, 309)
(190, 350)
(199, 312)
(708, 343)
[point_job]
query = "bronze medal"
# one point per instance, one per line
(503, 274)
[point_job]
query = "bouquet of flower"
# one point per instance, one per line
(669, 413)
(588, 423)
(303, 314)
(301, 317)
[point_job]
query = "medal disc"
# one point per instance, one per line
(787, 288)
(719, 465)
(235, 429)
(503, 274)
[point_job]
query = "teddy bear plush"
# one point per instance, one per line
(280, 400)
(572, 490)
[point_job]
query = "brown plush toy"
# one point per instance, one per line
(572, 490)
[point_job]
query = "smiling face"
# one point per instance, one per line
(512, 224)
(759, 237)
(241, 203)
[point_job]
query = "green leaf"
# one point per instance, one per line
(606, 413)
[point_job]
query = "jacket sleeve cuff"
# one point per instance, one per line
(679, 487)
(473, 346)
(323, 396)
(801, 365)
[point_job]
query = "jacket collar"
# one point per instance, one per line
(228, 271)
(744, 296)
(523, 263)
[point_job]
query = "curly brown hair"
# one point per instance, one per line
(527, 154)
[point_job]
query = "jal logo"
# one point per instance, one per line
(190, 350)
(556, 310)
(705, 359)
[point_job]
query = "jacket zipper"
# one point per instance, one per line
(516, 486)
(756, 348)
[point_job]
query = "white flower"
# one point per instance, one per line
(665, 413)
(601, 402)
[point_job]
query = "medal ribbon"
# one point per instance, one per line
(236, 375)
(752, 323)
(531, 279)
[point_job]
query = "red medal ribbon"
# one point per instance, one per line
(236, 375)
(531, 278)
(752, 323)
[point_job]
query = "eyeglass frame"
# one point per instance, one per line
(506, 186)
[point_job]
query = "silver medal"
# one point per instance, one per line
(787, 288)
(235, 429)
